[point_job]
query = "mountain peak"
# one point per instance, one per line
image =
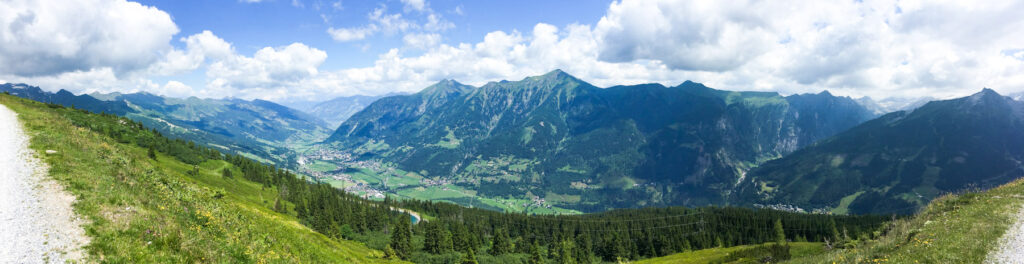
(985, 94)
(446, 86)
(558, 74)
(987, 91)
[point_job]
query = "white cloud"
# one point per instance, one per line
(270, 69)
(877, 48)
(53, 37)
(422, 41)
(380, 21)
(351, 34)
(176, 89)
(686, 35)
(415, 5)
(390, 23)
(436, 23)
(198, 48)
(103, 80)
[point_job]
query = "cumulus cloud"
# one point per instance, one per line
(351, 34)
(269, 68)
(39, 38)
(875, 48)
(872, 47)
(380, 21)
(686, 35)
(198, 48)
(176, 89)
(415, 5)
(422, 41)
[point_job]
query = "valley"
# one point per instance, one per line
(375, 180)
(511, 132)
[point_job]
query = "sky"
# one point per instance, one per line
(315, 50)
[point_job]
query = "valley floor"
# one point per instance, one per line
(37, 223)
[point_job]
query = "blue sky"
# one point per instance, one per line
(254, 25)
(294, 51)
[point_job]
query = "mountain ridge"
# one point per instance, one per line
(595, 143)
(900, 160)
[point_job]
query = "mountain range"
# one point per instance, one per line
(258, 129)
(588, 148)
(901, 160)
(567, 143)
(339, 109)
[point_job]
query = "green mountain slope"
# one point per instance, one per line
(159, 209)
(258, 129)
(961, 228)
(180, 202)
(557, 137)
(901, 160)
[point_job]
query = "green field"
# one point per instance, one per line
(141, 210)
(407, 185)
(716, 255)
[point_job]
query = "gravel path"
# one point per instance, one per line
(37, 224)
(1011, 245)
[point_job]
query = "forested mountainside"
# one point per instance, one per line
(259, 129)
(597, 148)
(196, 204)
(901, 160)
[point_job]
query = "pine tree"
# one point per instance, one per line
(780, 234)
(226, 173)
(470, 258)
(535, 256)
(500, 243)
(151, 152)
(565, 255)
(584, 248)
(389, 253)
(461, 239)
(401, 239)
(437, 240)
(278, 207)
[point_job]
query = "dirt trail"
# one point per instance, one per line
(37, 224)
(1011, 245)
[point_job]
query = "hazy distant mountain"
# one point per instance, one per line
(556, 135)
(893, 104)
(261, 128)
(65, 98)
(900, 160)
(268, 130)
(1019, 96)
(339, 109)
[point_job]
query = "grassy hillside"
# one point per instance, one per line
(952, 229)
(161, 210)
(717, 255)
